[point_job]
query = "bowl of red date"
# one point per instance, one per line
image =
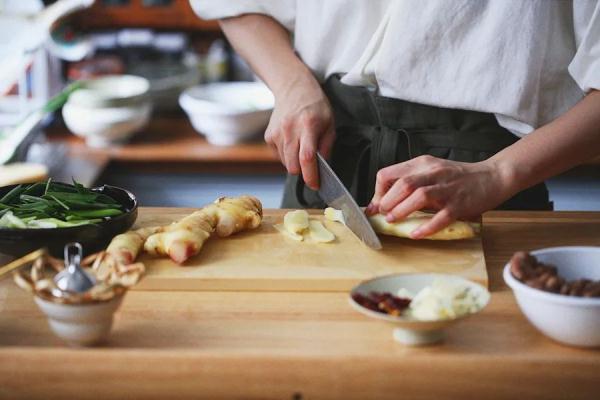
(558, 290)
(418, 306)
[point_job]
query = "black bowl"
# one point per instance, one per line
(95, 237)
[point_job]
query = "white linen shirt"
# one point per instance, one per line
(526, 61)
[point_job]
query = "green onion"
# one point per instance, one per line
(14, 193)
(53, 204)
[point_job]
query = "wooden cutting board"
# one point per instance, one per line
(264, 259)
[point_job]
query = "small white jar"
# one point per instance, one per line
(80, 324)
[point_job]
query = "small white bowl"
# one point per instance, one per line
(80, 324)
(109, 110)
(102, 127)
(408, 330)
(112, 91)
(229, 112)
(567, 319)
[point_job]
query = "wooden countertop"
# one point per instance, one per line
(305, 345)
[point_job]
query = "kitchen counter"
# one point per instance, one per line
(299, 345)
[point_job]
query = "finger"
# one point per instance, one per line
(326, 142)
(386, 178)
(401, 189)
(291, 148)
(270, 141)
(417, 200)
(440, 220)
(308, 160)
(281, 154)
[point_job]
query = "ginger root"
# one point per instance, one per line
(185, 238)
(126, 246)
(455, 231)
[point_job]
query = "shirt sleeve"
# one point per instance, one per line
(585, 66)
(282, 10)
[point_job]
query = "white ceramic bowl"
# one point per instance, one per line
(109, 110)
(570, 320)
(407, 330)
(80, 325)
(102, 127)
(112, 91)
(229, 112)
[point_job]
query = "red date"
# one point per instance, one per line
(382, 302)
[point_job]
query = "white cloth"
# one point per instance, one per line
(526, 61)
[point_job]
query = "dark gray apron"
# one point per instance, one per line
(374, 132)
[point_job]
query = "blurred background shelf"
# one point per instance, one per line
(170, 164)
(158, 14)
(171, 139)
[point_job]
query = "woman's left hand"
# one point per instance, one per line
(456, 190)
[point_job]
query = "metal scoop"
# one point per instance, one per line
(73, 278)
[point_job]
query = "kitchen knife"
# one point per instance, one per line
(333, 192)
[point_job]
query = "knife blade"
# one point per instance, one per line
(334, 193)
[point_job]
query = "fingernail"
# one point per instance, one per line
(390, 217)
(370, 209)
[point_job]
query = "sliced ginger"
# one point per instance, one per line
(335, 215)
(299, 227)
(292, 235)
(319, 233)
(296, 221)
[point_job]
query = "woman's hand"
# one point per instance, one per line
(301, 125)
(302, 121)
(455, 189)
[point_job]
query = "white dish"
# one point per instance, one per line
(109, 110)
(80, 325)
(112, 91)
(407, 330)
(102, 127)
(567, 319)
(230, 112)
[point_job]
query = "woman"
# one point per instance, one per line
(458, 106)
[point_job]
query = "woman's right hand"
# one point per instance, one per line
(302, 121)
(301, 124)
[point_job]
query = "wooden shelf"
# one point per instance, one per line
(170, 140)
(179, 15)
